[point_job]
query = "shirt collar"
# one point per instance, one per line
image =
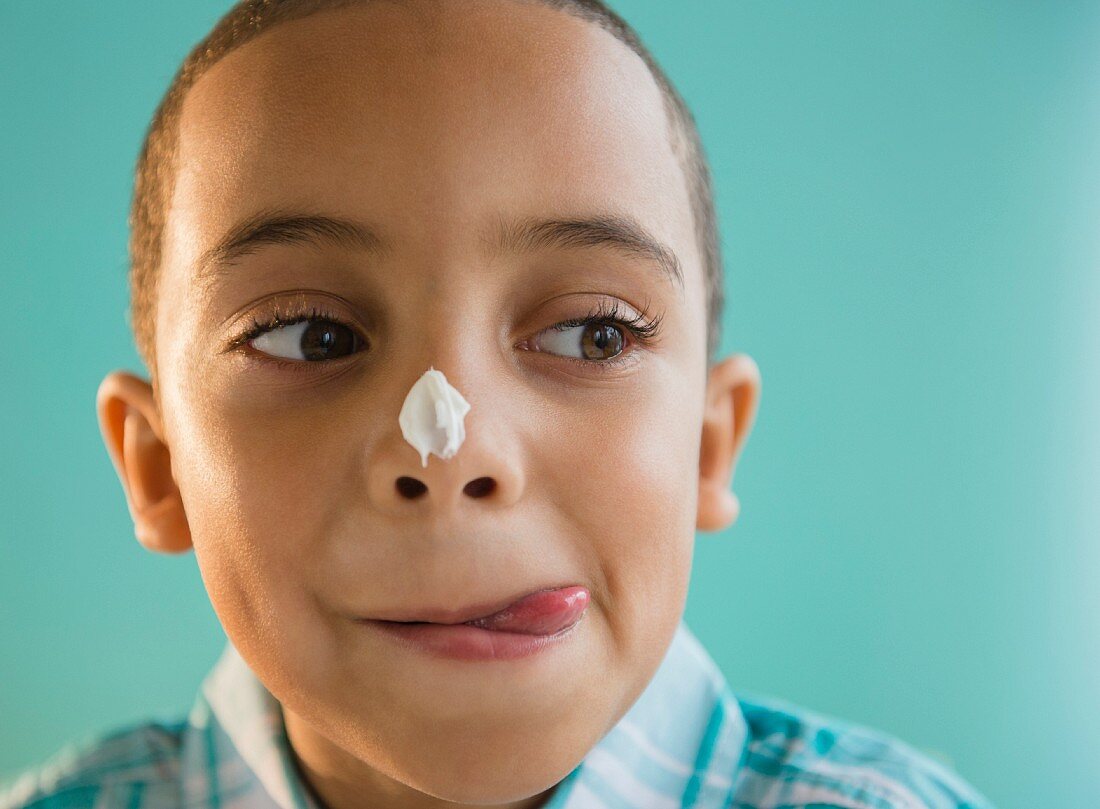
(684, 737)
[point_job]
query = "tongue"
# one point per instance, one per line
(541, 613)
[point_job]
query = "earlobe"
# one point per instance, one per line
(130, 423)
(732, 399)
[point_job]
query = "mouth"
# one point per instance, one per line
(542, 612)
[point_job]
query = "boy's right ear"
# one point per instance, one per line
(131, 427)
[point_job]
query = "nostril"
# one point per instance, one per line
(481, 487)
(410, 487)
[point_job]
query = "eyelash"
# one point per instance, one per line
(644, 327)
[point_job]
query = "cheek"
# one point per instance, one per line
(626, 477)
(254, 505)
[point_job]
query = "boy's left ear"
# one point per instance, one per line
(129, 420)
(732, 397)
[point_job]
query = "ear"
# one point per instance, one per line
(129, 420)
(733, 393)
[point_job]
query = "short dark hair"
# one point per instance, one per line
(154, 173)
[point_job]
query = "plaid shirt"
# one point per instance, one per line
(688, 741)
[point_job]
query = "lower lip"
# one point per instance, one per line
(463, 642)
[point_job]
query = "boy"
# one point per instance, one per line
(334, 199)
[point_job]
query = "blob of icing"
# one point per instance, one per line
(431, 417)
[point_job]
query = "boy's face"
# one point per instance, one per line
(434, 125)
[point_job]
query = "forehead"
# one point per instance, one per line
(437, 119)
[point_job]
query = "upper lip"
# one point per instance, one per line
(460, 615)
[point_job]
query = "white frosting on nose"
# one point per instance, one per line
(431, 417)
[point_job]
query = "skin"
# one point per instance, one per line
(432, 122)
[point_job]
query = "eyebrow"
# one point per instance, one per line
(614, 231)
(275, 227)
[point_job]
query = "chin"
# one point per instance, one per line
(489, 771)
(491, 784)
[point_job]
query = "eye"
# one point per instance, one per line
(308, 340)
(587, 341)
(599, 338)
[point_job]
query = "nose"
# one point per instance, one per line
(486, 469)
(411, 487)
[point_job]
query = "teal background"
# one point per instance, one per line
(909, 201)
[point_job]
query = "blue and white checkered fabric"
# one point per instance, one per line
(688, 741)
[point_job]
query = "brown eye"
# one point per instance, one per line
(593, 341)
(309, 341)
